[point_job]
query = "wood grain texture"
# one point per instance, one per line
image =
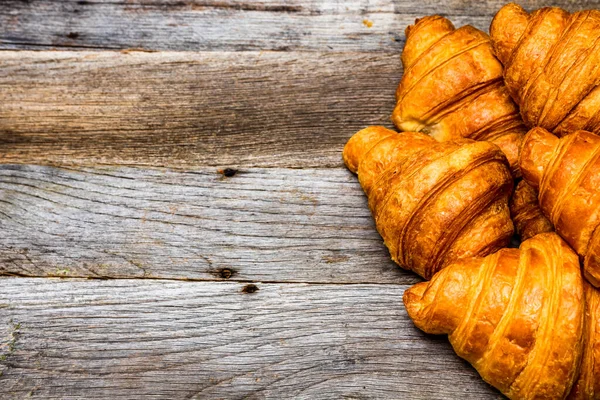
(327, 25)
(175, 340)
(190, 109)
(292, 225)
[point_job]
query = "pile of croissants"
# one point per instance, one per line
(498, 134)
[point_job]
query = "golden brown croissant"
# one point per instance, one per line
(587, 386)
(528, 218)
(526, 213)
(517, 316)
(552, 65)
(433, 202)
(567, 173)
(452, 87)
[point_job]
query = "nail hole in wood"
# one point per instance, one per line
(250, 288)
(226, 273)
(229, 172)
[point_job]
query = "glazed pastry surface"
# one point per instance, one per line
(566, 172)
(517, 316)
(587, 386)
(532, 221)
(526, 214)
(452, 87)
(433, 202)
(552, 65)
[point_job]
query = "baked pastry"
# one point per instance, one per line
(587, 386)
(526, 213)
(552, 65)
(517, 316)
(566, 172)
(530, 221)
(452, 87)
(433, 202)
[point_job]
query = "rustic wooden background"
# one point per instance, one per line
(175, 218)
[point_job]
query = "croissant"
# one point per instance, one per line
(552, 65)
(433, 202)
(528, 218)
(452, 87)
(526, 213)
(587, 386)
(530, 221)
(518, 317)
(567, 173)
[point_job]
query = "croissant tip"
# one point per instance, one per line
(412, 299)
(360, 143)
(506, 29)
(419, 22)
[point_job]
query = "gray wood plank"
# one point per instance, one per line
(293, 225)
(190, 109)
(337, 25)
(205, 340)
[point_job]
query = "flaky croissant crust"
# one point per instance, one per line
(517, 316)
(452, 87)
(552, 65)
(526, 214)
(587, 386)
(433, 202)
(530, 221)
(567, 173)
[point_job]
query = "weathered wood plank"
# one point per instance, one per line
(337, 25)
(190, 109)
(204, 340)
(295, 225)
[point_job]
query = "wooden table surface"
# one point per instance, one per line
(175, 218)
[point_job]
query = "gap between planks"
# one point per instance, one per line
(193, 280)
